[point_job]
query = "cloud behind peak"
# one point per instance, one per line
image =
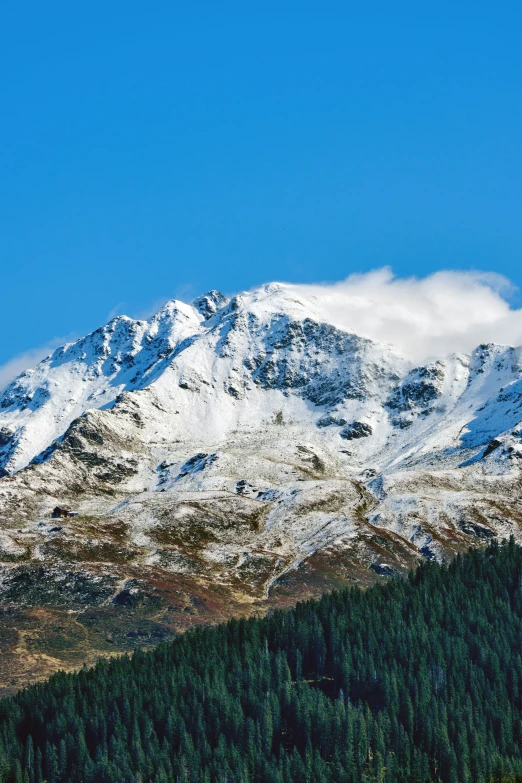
(446, 312)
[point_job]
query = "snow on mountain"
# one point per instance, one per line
(39, 405)
(254, 446)
(225, 353)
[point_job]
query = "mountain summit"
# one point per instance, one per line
(249, 451)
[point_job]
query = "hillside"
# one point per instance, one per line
(233, 455)
(414, 681)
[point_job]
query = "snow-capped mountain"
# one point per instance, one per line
(228, 363)
(253, 447)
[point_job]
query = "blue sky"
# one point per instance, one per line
(147, 152)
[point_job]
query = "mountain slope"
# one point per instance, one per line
(245, 450)
(416, 680)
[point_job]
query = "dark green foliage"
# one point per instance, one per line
(416, 680)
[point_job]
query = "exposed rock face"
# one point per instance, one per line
(230, 455)
(418, 390)
(355, 430)
(317, 361)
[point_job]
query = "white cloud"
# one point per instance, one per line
(443, 313)
(23, 361)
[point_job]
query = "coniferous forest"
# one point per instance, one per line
(416, 680)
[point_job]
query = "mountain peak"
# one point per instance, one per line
(209, 303)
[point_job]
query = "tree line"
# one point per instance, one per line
(410, 681)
